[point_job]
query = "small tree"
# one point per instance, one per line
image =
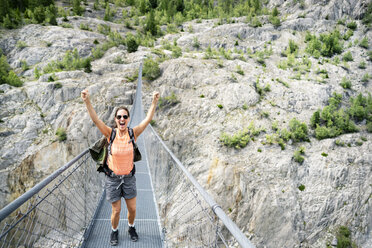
(151, 69)
(151, 25)
(131, 42)
(76, 7)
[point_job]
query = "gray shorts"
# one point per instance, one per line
(117, 188)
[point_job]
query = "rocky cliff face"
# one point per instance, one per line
(258, 186)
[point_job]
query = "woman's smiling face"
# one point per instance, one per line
(122, 119)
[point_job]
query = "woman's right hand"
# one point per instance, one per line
(85, 95)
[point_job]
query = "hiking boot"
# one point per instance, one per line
(133, 234)
(114, 238)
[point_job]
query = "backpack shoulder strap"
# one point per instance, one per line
(131, 135)
(112, 137)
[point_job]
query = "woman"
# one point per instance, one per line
(122, 181)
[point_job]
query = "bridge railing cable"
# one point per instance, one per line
(55, 212)
(189, 216)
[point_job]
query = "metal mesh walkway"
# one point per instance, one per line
(147, 224)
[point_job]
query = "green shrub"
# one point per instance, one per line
(21, 44)
(37, 72)
(57, 85)
(362, 65)
(131, 42)
(77, 8)
(345, 83)
(66, 25)
(347, 57)
(71, 61)
(151, 69)
(367, 20)
(103, 29)
(343, 237)
(51, 14)
(220, 106)
(241, 138)
(61, 134)
(275, 21)
(324, 154)
(52, 78)
(24, 65)
(172, 29)
(360, 107)
(365, 78)
(7, 76)
(196, 43)
(327, 44)
(348, 34)
(364, 43)
(301, 187)
(176, 51)
(13, 79)
(299, 130)
(108, 14)
(85, 27)
(369, 126)
(238, 140)
(168, 101)
(333, 120)
(292, 47)
(341, 22)
(352, 25)
(118, 60)
(256, 22)
(133, 77)
(98, 52)
(151, 24)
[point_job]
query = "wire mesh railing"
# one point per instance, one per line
(189, 216)
(57, 211)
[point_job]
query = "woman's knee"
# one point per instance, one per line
(116, 208)
(131, 205)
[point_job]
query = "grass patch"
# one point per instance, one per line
(61, 134)
(241, 138)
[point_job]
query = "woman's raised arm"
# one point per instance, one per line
(105, 130)
(150, 114)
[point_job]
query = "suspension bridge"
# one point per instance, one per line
(68, 208)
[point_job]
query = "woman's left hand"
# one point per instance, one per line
(155, 97)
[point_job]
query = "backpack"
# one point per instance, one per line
(101, 148)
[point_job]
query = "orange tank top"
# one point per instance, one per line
(121, 159)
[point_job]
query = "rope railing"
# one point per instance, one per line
(55, 212)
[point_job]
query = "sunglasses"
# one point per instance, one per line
(119, 117)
